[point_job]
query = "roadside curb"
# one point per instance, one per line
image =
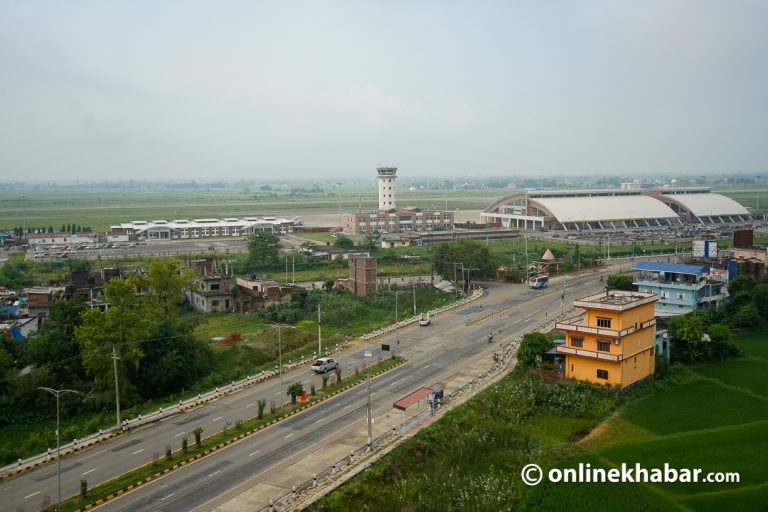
(228, 442)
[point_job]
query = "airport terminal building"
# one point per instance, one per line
(199, 228)
(595, 210)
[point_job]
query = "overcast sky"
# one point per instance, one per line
(262, 90)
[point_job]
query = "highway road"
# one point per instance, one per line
(438, 353)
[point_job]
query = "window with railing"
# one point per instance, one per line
(604, 322)
(602, 374)
(577, 342)
(604, 346)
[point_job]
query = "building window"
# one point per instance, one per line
(577, 342)
(603, 346)
(214, 303)
(604, 322)
(664, 295)
(214, 286)
(680, 296)
(602, 374)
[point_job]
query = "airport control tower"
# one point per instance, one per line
(387, 197)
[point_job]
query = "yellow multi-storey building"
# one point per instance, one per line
(613, 342)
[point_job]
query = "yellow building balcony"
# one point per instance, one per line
(576, 324)
(589, 353)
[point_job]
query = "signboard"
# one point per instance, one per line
(367, 353)
(704, 248)
(384, 347)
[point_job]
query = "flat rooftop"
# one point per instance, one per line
(615, 300)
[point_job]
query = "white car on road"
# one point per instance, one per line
(323, 365)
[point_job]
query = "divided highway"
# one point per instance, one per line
(435, 354)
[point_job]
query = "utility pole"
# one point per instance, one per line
(280, 358)
(370, 413)
(413, 285)
(562, 297)
(319, 334)
(115, 357)
(57, 393)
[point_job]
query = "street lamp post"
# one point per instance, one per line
(57, 393)
(397, 331)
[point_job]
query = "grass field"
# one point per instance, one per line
(706, 417)
(99, 206)
(717, 421)
(102, 206)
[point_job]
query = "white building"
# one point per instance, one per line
(62, 238)
(200, 228)
(626, 208)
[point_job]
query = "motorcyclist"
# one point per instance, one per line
(490, 337)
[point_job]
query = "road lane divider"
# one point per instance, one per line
(156, 473)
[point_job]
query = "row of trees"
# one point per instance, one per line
(158, 354)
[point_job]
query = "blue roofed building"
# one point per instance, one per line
(682, 288)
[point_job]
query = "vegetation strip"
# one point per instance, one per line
(151, 471)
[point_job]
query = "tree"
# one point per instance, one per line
(197, 432)
(165, 284)
(295, 390)
(115, 331)
(471, 253)
(740, 289)
(261, 403)
(685, 334)
(172, 361)
(532, 346)
(746, 316)
(56, 343)
(343, 242)
(721, 341)
(372, 242)
(620, 282)
(263, 251)
(760, 299)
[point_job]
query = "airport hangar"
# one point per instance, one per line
(596, 210)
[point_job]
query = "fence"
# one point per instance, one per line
(310, 489)
(102, 435)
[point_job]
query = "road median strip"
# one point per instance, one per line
(110, 493)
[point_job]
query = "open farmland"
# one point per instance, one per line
(102, 206)
(707, 417)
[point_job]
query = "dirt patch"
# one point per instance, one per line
(595, 434)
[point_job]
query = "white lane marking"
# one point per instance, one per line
(289, 435)
(373, 393)
(33, 494)
(347, 407)
(394, 383)
(249, 405)
(321, 419)
(163, 499)
(180, 434)
(254, 453)
(310, 380)
(425, 367)
(89, 471)
(276, 394)
(138, 451)
(214, 473)
(216, 419)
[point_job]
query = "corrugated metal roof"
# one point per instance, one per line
(678, 268)
(605, 208)
(705, 205)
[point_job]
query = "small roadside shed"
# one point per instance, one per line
(410, 399)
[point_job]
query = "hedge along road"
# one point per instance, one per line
(449, 341)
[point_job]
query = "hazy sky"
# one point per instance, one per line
(252, 89)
